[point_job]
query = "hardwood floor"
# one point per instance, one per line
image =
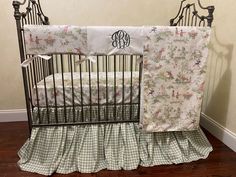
(220, 163)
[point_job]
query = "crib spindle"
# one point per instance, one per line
(63, 88)
(81, 91)
(107, 111)
(114, 113)
(72, 87)
(54, 90)
(46, 95)
(98, 89)
(131, 85)
(90, 92)
(123, 86)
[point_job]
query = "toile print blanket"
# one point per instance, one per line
(173, 77)
(174, 65)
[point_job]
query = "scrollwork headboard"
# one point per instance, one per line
(188, 15)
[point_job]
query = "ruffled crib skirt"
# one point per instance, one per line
(91, 148)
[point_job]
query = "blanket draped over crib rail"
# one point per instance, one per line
(173, 77)
(173, 71)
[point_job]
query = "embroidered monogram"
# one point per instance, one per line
(120, 39)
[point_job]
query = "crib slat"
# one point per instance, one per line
(72, 85)
(107, 96)
(32, 83)
(123, 86)
(131, 85)
(90, 92)
(45, 90)
(63, 87)
(99, 118)
(36, 88)
(29, 83)
(54, 90)
(81, 90)
(114, 113)
(56, 64)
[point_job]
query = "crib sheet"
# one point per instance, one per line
(40, 98)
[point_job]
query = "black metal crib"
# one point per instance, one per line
(109, 77)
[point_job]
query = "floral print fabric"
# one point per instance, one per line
(103, 90)
(90, 41)
(52, 39)
(173, 77)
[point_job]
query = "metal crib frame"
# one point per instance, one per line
(39, 69)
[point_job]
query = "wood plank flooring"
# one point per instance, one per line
(220, 163)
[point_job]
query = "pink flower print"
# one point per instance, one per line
(192, 34)
(185, 79)
(187, 95)
(201, 87)
(159, 55)
(145, 62)
(49, 40)
(159, 67)
(117, 93)
(157, 112)
(65, 30)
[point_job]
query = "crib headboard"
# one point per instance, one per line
(32, 15)
(188, 15)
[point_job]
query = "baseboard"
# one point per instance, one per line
(13, 115)
(220, 132)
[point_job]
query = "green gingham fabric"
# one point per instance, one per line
(91, 148)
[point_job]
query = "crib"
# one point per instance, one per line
(61, 92)
(90, 111)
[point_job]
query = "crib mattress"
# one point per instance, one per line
(122, 91)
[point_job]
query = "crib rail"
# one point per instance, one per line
(189, 16)
(108, 75)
